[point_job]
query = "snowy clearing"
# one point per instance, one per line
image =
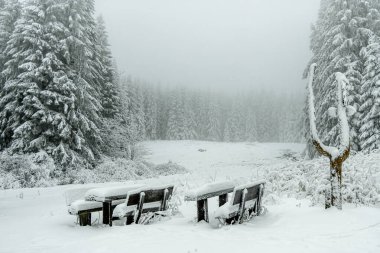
(36, 220)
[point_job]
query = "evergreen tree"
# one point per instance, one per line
(110, 99)
(135, 112)
(342, 30)
(175, 118)
(10, 12)
(46, 102)
(190, 124)
(150, 113)
(235, 125)
(213, 126)
(370, 129)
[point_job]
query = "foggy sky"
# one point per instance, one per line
(221, 44)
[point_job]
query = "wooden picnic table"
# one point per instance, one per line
(202, 194)
(110, 197)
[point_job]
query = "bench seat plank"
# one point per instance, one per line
(154, 200)
(244, 197)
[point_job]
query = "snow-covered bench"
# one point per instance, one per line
(151, 200)
(246, 199)
(202, 194)
(100, 199)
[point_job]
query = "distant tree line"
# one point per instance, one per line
(178, 113)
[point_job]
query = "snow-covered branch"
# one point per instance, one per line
(344, 147)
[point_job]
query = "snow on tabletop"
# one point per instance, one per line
(149, 188)
(101, 194)
(80, 205)
(209, 188)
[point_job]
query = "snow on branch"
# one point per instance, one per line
(344, 147)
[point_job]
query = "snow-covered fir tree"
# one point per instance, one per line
(370, 129)
(343, 29)
(110, 99)
(236, 122)
(150, 113)
(176, 118)
(50, 100)
(213, 124)
(135, 111)
(10, 12)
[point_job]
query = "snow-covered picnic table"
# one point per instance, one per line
(101, 199)
(202, 194)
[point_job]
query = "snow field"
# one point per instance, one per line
(36, 220)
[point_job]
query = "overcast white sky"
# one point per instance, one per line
(222, 44)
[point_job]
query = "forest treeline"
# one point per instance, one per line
(178, 113)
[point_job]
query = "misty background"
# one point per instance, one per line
(218, 44)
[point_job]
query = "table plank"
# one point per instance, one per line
(111, 193)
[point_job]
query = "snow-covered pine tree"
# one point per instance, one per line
(181, 117)
(190, 125)
(175, 123)
(162, 110)
(213, 126)
(195, 102)
(251, 128)
(340, 33)
(110, 99)
(236, 122)
(290, 119)
(370, 108)
(46, 103)
(150, 113)
(10, 12)
(201, 108)
(135, 111)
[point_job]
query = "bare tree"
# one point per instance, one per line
(337, 155)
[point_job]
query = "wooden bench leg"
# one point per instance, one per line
(223, 199)
(242, 206)
(107, 213)
(85, 219)
(140, 207)
(202, 207)
(164, 200)
(258, 202)
(130, 220)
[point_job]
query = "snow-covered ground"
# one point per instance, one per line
(36, 220)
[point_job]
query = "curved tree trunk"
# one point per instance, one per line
(333, 196)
